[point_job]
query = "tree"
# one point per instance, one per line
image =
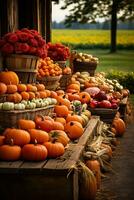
(84, 11)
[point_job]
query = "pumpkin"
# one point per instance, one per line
(61, 120)
(74, 86)
(3, 88)
(9, 77)
(54, 94)
(63, 101)
(10, 152)
(34, 152)
(87, 183)
(94, 165)
(74, 117)
(59, 136)
(31, 95)
(31, 88)
(20, 137)
(67, 70)
(84, 97)
(38, 135)
(26, 124)
(44, 124)
(69, 90)
(37, 95)
(88, 84)
(58, 126)
(8, 106)
(21, 87)
(61, 110)
(60, 92)
(48, 92)
(16, 98)
(11, 89)
(40, 87)
(25, 95)
(43, 94)
(108, 148)
(74, 130)
(2, 139)
(73, 96)
(55, 149)
(119, 125)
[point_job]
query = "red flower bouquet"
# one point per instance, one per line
(23, 41)
(58, 51)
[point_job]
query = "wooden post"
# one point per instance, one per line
(49, 20)
(12, 15)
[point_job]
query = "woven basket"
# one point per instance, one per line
(50, 82)
(24, 65)
(65, 80)
(10, 118)
(84, 66)
(3, 98)
(106, 115)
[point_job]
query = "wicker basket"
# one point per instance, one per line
(65, 80)
(106, 115)
(50, 82)
(10, 118)
(24, 65)
(3, 98)
(84, 66)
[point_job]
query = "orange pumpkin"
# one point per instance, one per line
(48, 92)
(3, 88)
(10, 152)
(2, 139)
(34, 152)
(60, 92)
(63, 101)
(55, 149)
(31, 88)
(16, 97)
(74, 117)
(9, 77)
(38, 135)
(94, 165)
(74, 86)
(61, 120)
(31, 95)
(40, 87)
(58, 126)
(11, 89)
(73, 96)
(20, 137)
(25, 95)
(119, 125)
(37, 95)
(43, 94)
(59, 136)
(26, 124)
(85, 97)
(108, 148)
(74, 130)
(54, 94)
(21, 87)
(61, 110)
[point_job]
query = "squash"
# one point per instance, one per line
(3, 88)
(55, 149)
(119, 125)
(26, 124)
(59, 136)
(74, 130)
(9, 77)
(38, 135)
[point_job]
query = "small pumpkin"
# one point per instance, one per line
(31, 88)
(19, 106)
(20, 137)
(63, 101)
(55, 149)
(43, 94)
(74, 130)
(58, 126)
(9, 77)
(74, 117)
(61, 110)
(3, 88)
(34, 152)
(40, 87)
(38, 135)
(61, 120)
(85, 97)
(119, 125)
(8, 106)
(60, 92)
(31, 95)
(11, 89)
(22, 87)
(44, 124)
(73, 96)
(16, 98)
(25, 95)
(59, 136)
(26, 124)
(10, 152)
(74, 86)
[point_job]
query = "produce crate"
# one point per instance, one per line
(123, 107)
(84, 66)
(50, 82)
(24, 65)
(10, 118)
(49, 179)
(106, 115)
(65, 80)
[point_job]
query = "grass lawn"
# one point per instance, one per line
(123, 60)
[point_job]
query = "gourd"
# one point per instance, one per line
(30, 105)
(119, 125)
(74, 129)
(26, 124)
(9, 77)
(19, 106)
(8, 106)
(39, 135)
(59, 136)
(3, 88)
(55, 149)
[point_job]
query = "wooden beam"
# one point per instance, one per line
(49, 20)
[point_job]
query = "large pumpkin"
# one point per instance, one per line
(74, 117)
(39, 135)
(20, 137)
(9, 77)
(58, 126)
(59, 136)
(34, 152)
(74, 129)
(119, 125)
(61, 110)
(26, 124)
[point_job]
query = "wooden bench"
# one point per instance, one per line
(49, 179)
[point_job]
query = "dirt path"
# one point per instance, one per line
(119, 185)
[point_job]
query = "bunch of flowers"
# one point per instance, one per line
(58, 51)
(23, 41)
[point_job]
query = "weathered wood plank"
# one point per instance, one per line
(10, 167)
(89, 131)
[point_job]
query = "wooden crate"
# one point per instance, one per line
(123, 107)
(106, 115)
(10, 118)
(50, 179)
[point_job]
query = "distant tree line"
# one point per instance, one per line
(98, 25)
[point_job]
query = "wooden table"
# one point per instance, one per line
(49, 179)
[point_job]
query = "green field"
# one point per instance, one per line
(97, 42)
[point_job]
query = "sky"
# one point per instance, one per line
(58, 14)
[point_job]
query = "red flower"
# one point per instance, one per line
(21, 47)
(23, 37)
(32, 50)
(41, 41)
(41, 52)
(7, 48)
(11, 37)
(34, 32)
(33, 42)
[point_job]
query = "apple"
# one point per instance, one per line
(101, 96)
(105, 104)
(93, 104)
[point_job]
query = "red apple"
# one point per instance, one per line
(105, 104)
(93, 104)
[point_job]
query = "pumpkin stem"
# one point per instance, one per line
(83, 96)
(71, 123)
(11, 142)
(35, 142)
